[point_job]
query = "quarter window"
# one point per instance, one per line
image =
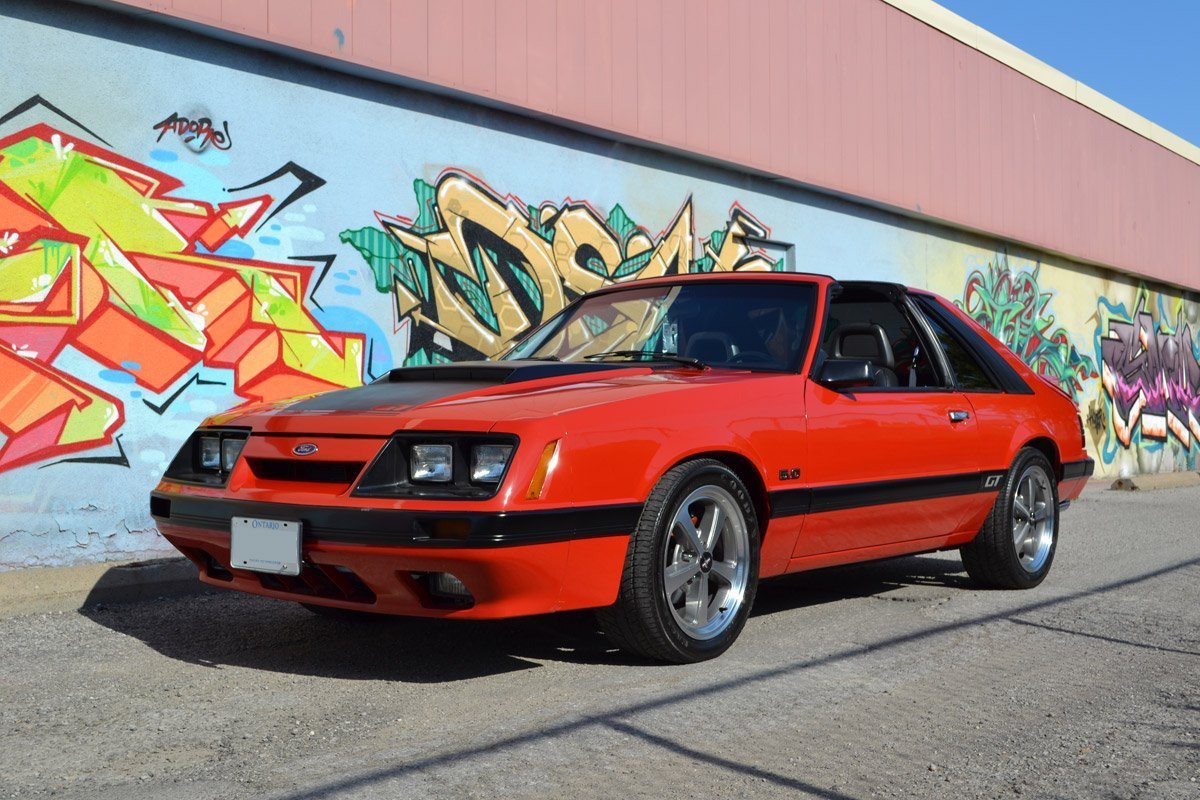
(968, 372)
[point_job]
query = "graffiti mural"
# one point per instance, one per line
(1150, 371)
(474, 270)
(199, 234)
(1013, 307)
(100, 256)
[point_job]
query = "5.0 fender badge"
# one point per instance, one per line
(305, 449)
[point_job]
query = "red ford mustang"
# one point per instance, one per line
(652, 452)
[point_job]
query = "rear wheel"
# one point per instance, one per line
(691, 570)
(1015, 547)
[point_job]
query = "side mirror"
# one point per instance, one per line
(846, 373)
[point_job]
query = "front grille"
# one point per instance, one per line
(331, 581)
(321, 580)
(292, 470)
(206, 563)
(216, 569)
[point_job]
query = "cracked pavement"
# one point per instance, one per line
(892, 679)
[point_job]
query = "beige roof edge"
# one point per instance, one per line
(988, 43)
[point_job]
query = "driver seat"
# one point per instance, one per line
(868, 340)
(711, 347)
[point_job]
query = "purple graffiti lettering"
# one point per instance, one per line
(1152, 378)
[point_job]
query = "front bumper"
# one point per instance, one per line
(513, 563)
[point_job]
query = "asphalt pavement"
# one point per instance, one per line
(894, 679)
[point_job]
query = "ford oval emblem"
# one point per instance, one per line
(305, 449)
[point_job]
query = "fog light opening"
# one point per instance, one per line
(445, 589)
(445, 584)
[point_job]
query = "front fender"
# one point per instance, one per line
(617, 452)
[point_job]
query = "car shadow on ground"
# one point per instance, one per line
(219, 629)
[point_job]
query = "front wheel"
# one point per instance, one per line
(691, 570)
(1015, 547)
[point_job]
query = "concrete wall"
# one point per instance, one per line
(324, 228)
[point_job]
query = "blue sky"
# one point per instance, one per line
(1141, 53)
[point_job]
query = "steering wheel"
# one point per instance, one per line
(751, 357)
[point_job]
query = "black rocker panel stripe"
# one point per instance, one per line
(793, 502)
(396, 527)
(383, 526)
(1078, 469)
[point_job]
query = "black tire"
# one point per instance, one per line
(992, 558)
(642, 621)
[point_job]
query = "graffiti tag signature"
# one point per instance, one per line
(197, 134)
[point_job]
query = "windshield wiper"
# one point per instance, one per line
(653, 355)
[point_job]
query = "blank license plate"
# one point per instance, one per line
(265, 545)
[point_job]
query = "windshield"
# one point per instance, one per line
(760, 325)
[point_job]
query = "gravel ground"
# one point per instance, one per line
(895, 679)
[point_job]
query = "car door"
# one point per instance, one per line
(999, 397)
(893, 463)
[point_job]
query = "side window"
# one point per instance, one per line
(864, 323)
(968, 372)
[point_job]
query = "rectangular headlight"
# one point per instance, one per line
(488, 462)
(208, 456)
(431, 462)
(209, 452)
(230, 450)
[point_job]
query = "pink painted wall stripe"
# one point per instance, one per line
(855, 96)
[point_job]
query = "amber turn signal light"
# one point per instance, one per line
(542, 473)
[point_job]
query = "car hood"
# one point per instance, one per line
(467, 396)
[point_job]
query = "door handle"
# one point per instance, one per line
(960, 416)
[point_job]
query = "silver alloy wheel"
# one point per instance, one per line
(706, 562)
(1033, 519)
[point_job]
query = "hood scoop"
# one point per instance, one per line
(495, 372)
(405, 387)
